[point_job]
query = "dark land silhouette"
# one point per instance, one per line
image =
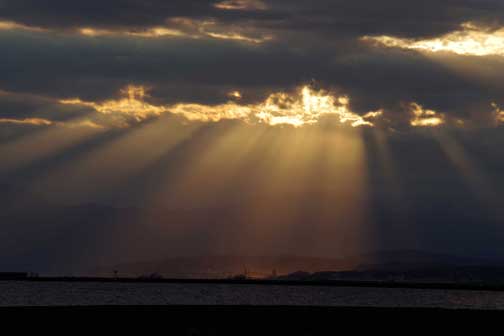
(380, 266)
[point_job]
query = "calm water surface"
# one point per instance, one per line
(13, 293)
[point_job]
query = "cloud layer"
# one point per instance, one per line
(196, 52)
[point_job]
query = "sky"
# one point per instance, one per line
(133, 130)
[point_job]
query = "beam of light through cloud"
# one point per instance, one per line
(53, 138)
(120, 159)
(303, 107)
(330, 184)
(232, 143)
(424, 117)
(379, 149)
(470, 40)
(280, 180)
(468, 167)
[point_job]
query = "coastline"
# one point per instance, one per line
(261, 282)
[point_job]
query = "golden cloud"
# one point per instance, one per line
(11, 25)
(425, 118)
(46, 122)
(27, 121)
(241, 5)
(238, 37)
(130, 108)
(235, 95)
(80, 123)
(469, 40)
(186, 28)
(152, 32)
(303, 107)
(174, 28)
(214, 29)
(499, 113)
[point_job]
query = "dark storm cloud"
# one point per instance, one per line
(317, 41)
(337, 17)
(24, 106)
(115, 13)
(122, 14)
(394, 17)
(203, 71)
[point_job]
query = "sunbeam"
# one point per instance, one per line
(110, 166)
(42, 143)
(467, 167)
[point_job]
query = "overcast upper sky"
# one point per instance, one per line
(88, 49)
(102, 100)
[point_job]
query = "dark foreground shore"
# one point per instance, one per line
(252, 320)
(473, 286)
(122, 292)
(240, 308)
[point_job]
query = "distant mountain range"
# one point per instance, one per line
(380, 264)
(225, 266)
(413, 260)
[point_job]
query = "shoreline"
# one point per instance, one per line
(297, 283)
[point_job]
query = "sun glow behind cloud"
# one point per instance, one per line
(147, 33)
(303, 107)
(238, 37)
(235, 95)
(11, 25)
(470, 40)
(424, 117)
(130, 108)
(499, 113)
(241, 5)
